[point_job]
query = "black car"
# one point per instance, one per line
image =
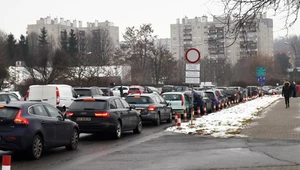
(232, 94)
(6, 96)
(107, 91)
(88, 91)
(105, 114)
(152, 107)
(34, 127)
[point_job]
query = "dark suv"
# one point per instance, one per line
(89, 91)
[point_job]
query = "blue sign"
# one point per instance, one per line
(260, 71)
(261, 79)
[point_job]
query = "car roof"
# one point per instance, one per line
(175, 92)
(142, 94)
(20, 103)
(99, 98)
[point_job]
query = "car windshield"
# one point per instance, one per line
(81, 105)
(171, 96)
(139, 100)
(84, 92)
(8, 112)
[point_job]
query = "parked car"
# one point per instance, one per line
(206, 102)
(16, 93)
(107, 91)
(88, 91)
(6, 96)
(182, 88)
(168, 88)
(214, 97)
(252, 91)
(276, 90)
(105, 114)
(232, 94)
(58, 95)
(155, 90)
(137, 89)
(35, 127)
(152, 107)
(180, 102)
(116, 90)
(222, 97)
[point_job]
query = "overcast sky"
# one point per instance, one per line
(16, 14)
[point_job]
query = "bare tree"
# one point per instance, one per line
(3, 58)
(243, 11)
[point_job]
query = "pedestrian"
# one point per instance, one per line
(121, 91)
(197, 101)
(295, 89)
(286, 93)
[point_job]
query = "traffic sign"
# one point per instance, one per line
(192, 74)
(194, 80)
(261, 79)
(192, 67)
(260, 71)
(192, 55)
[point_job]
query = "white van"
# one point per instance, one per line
(58, 95)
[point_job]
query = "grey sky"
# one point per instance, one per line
(16, 14)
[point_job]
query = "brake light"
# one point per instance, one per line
(151, 108)
(234, 94)
(139, 91)
(182, 101)
(20, 120)
(89, 99)
(1, 107)
(69, 113)
(102, 114)
(27, 94)
(57, 96)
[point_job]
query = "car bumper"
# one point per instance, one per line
(150, 116)
(10, 142)
(96, 127)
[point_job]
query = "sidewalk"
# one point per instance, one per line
(277, 122)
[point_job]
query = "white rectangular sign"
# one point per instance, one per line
(192, 67)
(192, 80)
(192, 74)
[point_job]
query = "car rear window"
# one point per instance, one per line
(171, 96)
(167, 89)
(134, 89)
(89, 105)
(8, 112)
(139, 100)
(210, 95)
(84, 92)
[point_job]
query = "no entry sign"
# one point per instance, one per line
(192, 55)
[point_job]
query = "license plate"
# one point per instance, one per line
(83, 119)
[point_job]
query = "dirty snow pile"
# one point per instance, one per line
(227, 122)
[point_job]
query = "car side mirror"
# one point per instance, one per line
(66, 116)
(168, 104)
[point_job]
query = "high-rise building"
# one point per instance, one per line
(211, 38)
(56, 27)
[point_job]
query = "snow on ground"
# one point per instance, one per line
(227, 122)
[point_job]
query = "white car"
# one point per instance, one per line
(116, 90)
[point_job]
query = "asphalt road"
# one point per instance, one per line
(90, 147)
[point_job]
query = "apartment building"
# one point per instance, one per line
(166, 42)
(212, 40)
(55, 28)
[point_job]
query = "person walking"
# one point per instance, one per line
(295, 89)
(286, 93)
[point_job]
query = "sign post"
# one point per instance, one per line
(192, 67)
(260, 74)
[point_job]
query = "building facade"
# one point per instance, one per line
(55, 28)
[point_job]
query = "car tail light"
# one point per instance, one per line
(57, 96)
(235, 95)
(89, 99)
(20, 120)
(151, 108)
(182, 100)
(27, 94)
(69, 113)
(102, 114)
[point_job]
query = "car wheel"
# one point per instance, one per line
(118, 130)
(157, 120)
(73, 141)
(139, 126)
(37, 147)
(170, 117)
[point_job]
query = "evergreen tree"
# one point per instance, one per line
(11, 49)
(73, 44)
(43, 38)
(64, 40)
(23, 46)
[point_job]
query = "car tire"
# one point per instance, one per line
(37, 146)
(169, 120)
(117, 134)
(73, 141)
(157, 120)
(139, 127)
